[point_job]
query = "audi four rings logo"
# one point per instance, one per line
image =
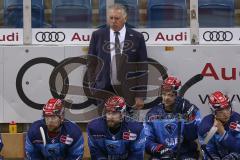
(217, 36)
(50, 36)
(60, 68)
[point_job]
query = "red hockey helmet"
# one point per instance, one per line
(115, 104)
(171, 83)
(54, 107)
(218, 101)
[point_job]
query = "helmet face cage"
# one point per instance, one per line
(218, 101)
(171, 84)
(115, 104)
(54, 107)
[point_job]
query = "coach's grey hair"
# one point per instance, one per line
(118, 6)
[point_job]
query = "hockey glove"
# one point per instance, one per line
(232, 156)
(163, 151)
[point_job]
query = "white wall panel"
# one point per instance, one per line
(76, 79)
(181, 61)
(1, 85)
(187, 61)
(35, 81)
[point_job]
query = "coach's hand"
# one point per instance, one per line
(139, 103)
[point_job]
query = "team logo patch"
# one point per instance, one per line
(129, 136)
(234, 126)
(66, 139)
(170, 128)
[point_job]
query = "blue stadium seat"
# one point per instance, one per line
(132, 10)
(72, 13)
(167, 13)
(13, 13)
(216, 13)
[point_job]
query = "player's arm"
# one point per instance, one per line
(152, 147)
(95, 150)
(231, 142)
(32, 153)
(232, 155)
(75, 152)
(1, 143)
(210, 148)
(192, 113)
(138, 147)
(193, 119)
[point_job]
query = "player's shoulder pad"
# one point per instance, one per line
(132, 125)
(235, 117)
(71, 128)
(155, 112)
(97, 126)
(206, 124)
(34, 130)
(185, 105)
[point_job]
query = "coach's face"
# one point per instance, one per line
(116, 19)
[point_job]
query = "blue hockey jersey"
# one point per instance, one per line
(67, 145)
(1, 146)
(1, 143)
(226, 146)
(176, 131)
(127, 144)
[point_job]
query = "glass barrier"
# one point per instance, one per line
(11, 13)
(167, 14)
(144, 15)
(86, 13)
(1, 14)
(216, 13)
(141, 13)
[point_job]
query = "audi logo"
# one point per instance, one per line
(146, 36)
(59, 67)
(217, 36)
(50, 36)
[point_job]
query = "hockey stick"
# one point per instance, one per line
(43, 136)
(195, 79)
(210, 134)
(179, 137)
(159, 67)
(206, 151)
